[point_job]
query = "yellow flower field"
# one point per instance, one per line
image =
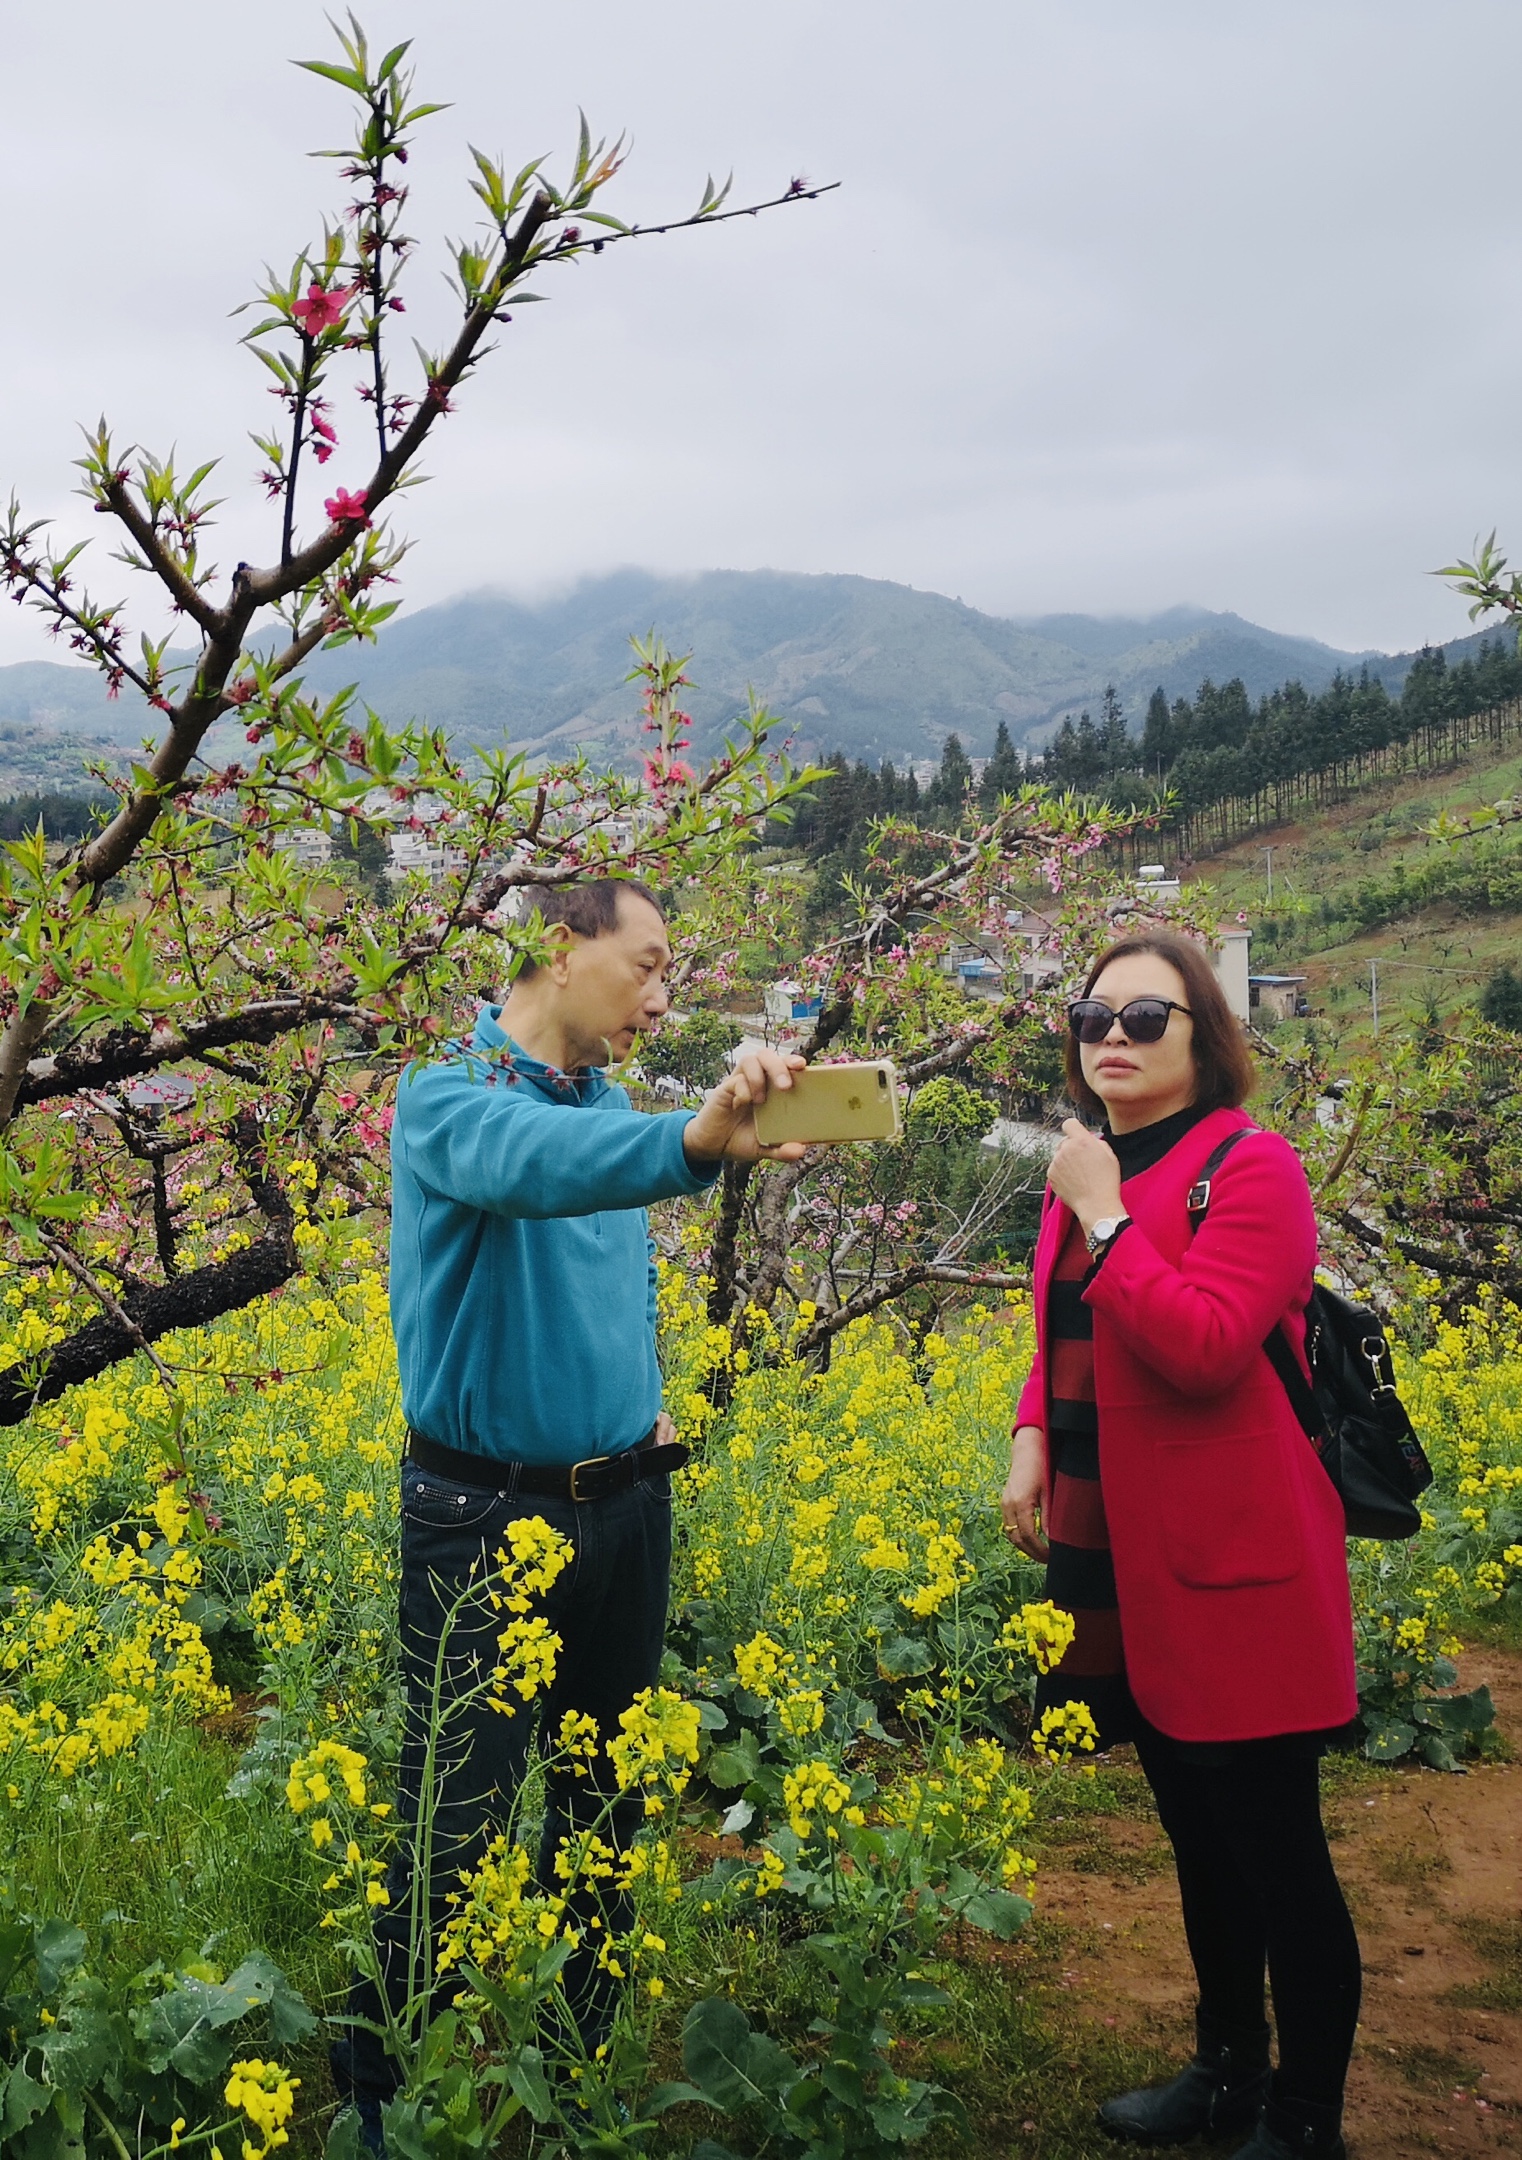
(837, 1529)
(221, 1576)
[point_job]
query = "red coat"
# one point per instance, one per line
(1227, 1535)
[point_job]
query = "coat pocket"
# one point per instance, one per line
(1228, 1511)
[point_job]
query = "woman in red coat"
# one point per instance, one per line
(1187, 1524)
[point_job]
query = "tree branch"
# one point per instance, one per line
(292, 657)
(734, 1183)
(22, 1034)
(1442, 1263)
(114, 1312)
(828, 1325)
(720, 217)
(949, 1054)
(126, 1052)
(265, 586)
(187, 596)
(778, 1185)
(145, 1312)
(114, 846)
(191, 1300)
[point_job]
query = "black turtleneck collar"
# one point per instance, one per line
(1148, 1144)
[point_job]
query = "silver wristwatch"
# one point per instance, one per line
(1099, 1237)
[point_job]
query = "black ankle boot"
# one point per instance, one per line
(1224, 2088)
(1295, 2130)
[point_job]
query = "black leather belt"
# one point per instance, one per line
(595, 1478)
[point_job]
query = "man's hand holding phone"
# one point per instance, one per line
(726, 1125)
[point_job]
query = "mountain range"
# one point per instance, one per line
(857, 664)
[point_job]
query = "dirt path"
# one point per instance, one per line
(1432, 1867)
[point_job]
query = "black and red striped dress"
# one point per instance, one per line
(1080, 1577)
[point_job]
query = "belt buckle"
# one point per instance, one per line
(589, 1462)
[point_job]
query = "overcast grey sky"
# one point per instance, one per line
(1120, 305)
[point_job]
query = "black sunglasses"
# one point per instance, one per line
(1144, 1020)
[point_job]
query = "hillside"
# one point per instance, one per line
(1440, 953)
(876, 669)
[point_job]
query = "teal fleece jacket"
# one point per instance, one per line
(522, 1271)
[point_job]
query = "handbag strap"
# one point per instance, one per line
(1301, 1400)
(1197, 1199)
(1275, 1344)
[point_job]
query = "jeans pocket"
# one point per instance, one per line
(657, 1489)
(442, 1504)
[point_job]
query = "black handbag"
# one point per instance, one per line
(1350, 1412)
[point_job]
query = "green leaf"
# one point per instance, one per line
(843, 2081)
(86, 2044)
(904, 1658)
(923, 1992)
(997, 1912)
(25, 2100)
(180, 2031)
(674, 2093)
(290, 2019)
(1479, 1707)
(733, 2067)
(58, 1948)
(438, 2046)
(736, 1763)
(345, 2141)
(1388, 1739)
(15, 1944)
(346, 78)
(406, 2123)
(525, 2074)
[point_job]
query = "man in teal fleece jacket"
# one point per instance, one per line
(523, 1301)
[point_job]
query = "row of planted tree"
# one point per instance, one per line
(1205, 771)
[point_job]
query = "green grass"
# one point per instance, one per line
(180, 1863)
(1432, 2069)
(1410, 1866)
(1109, 1787)
(1496, 1627)
(1083, 1846)
(160, 1866)
(1029, 2079)
(1499, 1943)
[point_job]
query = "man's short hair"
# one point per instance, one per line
(589, 906)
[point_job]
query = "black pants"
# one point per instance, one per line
(1258, 1888)
(609, 1609)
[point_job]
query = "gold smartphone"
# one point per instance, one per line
(833, 1102)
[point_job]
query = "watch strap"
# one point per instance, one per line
(1105, 1232)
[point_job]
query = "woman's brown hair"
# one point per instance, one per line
(1222, 1061)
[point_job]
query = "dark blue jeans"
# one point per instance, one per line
(609, 1610)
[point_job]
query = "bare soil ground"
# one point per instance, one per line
(1432, 1867)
